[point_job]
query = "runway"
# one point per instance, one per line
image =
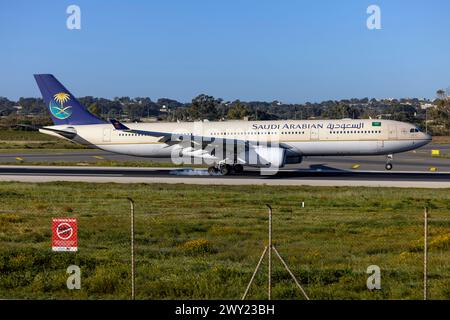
(310, 177)
(411, 169)
(417, 160)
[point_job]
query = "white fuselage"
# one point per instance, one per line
(301, 137)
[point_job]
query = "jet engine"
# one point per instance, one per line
(263, 156)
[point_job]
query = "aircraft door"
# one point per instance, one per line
(392, 132)
(106, 134)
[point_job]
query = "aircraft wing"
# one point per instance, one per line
(176, 138)
(120, 126)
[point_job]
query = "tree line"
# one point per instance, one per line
(205, 107)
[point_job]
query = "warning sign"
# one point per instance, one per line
(64, 234)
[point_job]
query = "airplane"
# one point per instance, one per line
(227, 146)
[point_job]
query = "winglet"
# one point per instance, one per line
(118, 125)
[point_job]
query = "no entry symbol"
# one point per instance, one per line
(64, 234)
(64, 231)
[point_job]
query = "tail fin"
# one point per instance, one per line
(63, 107)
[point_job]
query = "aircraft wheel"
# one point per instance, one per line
(225, 169)
(388, 166)
(212, 171)
(238, 168)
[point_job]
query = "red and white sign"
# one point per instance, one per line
(64, 234)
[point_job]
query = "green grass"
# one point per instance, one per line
(29, 140)
(105, 163)
(444, 156)
(203, 242)
(18, 135)
(441, 139)
(17, 146)
(20, 150)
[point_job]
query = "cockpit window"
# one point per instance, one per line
(414, 130)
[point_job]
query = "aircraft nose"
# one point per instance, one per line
(426, 139)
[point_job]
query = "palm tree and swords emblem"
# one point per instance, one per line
(60, 111)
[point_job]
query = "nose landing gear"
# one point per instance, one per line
(389, 159)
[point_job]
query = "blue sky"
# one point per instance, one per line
(293, 51)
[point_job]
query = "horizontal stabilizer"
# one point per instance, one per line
(118, 125)
(68, 133)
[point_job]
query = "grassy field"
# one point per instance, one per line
(107, 163)
(26, 140)
(95, 162)
(445, 156)
(19, 135)
(441, 139)
(203, 242)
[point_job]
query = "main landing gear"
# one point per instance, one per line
(226, 169)
(389, 159)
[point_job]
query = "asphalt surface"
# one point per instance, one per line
(418, 160)
(411, 169)
(319, 177)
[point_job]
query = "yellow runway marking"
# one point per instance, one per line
(355, 166)
(98, 157)
(19, 159)
(435, 152)
(433, 169)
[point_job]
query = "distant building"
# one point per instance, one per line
(149, 119)
(384, 116)
(18, 109)
(277, 103)
(425, 106)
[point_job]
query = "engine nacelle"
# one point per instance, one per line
(293, 159)
(262, 156)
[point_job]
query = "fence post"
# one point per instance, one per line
(425, 253)
(270, 252)
(132, 249)
(268, 249)
(254, 273)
